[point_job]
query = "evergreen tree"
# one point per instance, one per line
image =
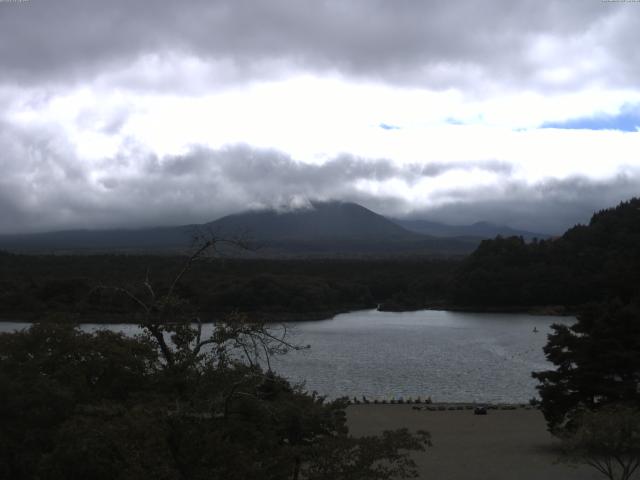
(597, 363)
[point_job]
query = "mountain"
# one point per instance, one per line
(321, 220)
(479, 229)
(334, 227)
(325, 228)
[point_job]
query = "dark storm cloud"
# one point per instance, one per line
(45, 187)
(549, 206)
(270, 171)
(436, 43)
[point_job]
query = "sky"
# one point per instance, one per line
(130, 113)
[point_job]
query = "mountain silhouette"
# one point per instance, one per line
(325, 228)
(321, 220)
(482, 230)
(333, 228)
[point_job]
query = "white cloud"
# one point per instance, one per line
(305, 86)
(315, 118)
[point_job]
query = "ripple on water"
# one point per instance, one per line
(450, 356)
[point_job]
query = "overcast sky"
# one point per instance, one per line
(136, 113)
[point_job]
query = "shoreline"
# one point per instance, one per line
(542, 310)
(133, 319)
(430, 406)
(281, 317)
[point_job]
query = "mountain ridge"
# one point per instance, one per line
(482, 229)
(323, 219)
(325, 228)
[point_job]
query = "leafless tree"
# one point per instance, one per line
(178, 330)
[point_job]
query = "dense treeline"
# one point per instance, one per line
(587, 264)
(76, 405)
(175, 403)
(37, 286)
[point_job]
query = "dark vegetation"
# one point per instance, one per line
(105, 407)
(589, 263)
(608, 440)
(77, 405)
(172, 404)
(597, 363)
(37, 286)
(591, 400)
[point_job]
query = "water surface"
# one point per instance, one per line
(450, 356)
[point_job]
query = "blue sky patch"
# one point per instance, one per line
(454, 121)
(388, 126)
(628, 120)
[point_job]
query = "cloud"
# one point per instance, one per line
(439, 44)
(425, 107)
(45, 186)
(550, 206)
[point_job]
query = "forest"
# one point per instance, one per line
(47, 286)
(589, 263)
(102, 405)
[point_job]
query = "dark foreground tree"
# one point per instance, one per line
(172, 403)
(607, 440)
(597, 363)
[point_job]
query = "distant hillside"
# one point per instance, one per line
(588, 263)
(334, 227)
(478, 229)
(322, 220)
(161, 238)
(325, 228)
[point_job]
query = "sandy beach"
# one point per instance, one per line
(504, 444)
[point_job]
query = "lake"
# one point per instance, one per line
(450, 356)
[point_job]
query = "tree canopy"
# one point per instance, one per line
(589, 263)
(607, 440)
(173, 404)
(597, 362)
